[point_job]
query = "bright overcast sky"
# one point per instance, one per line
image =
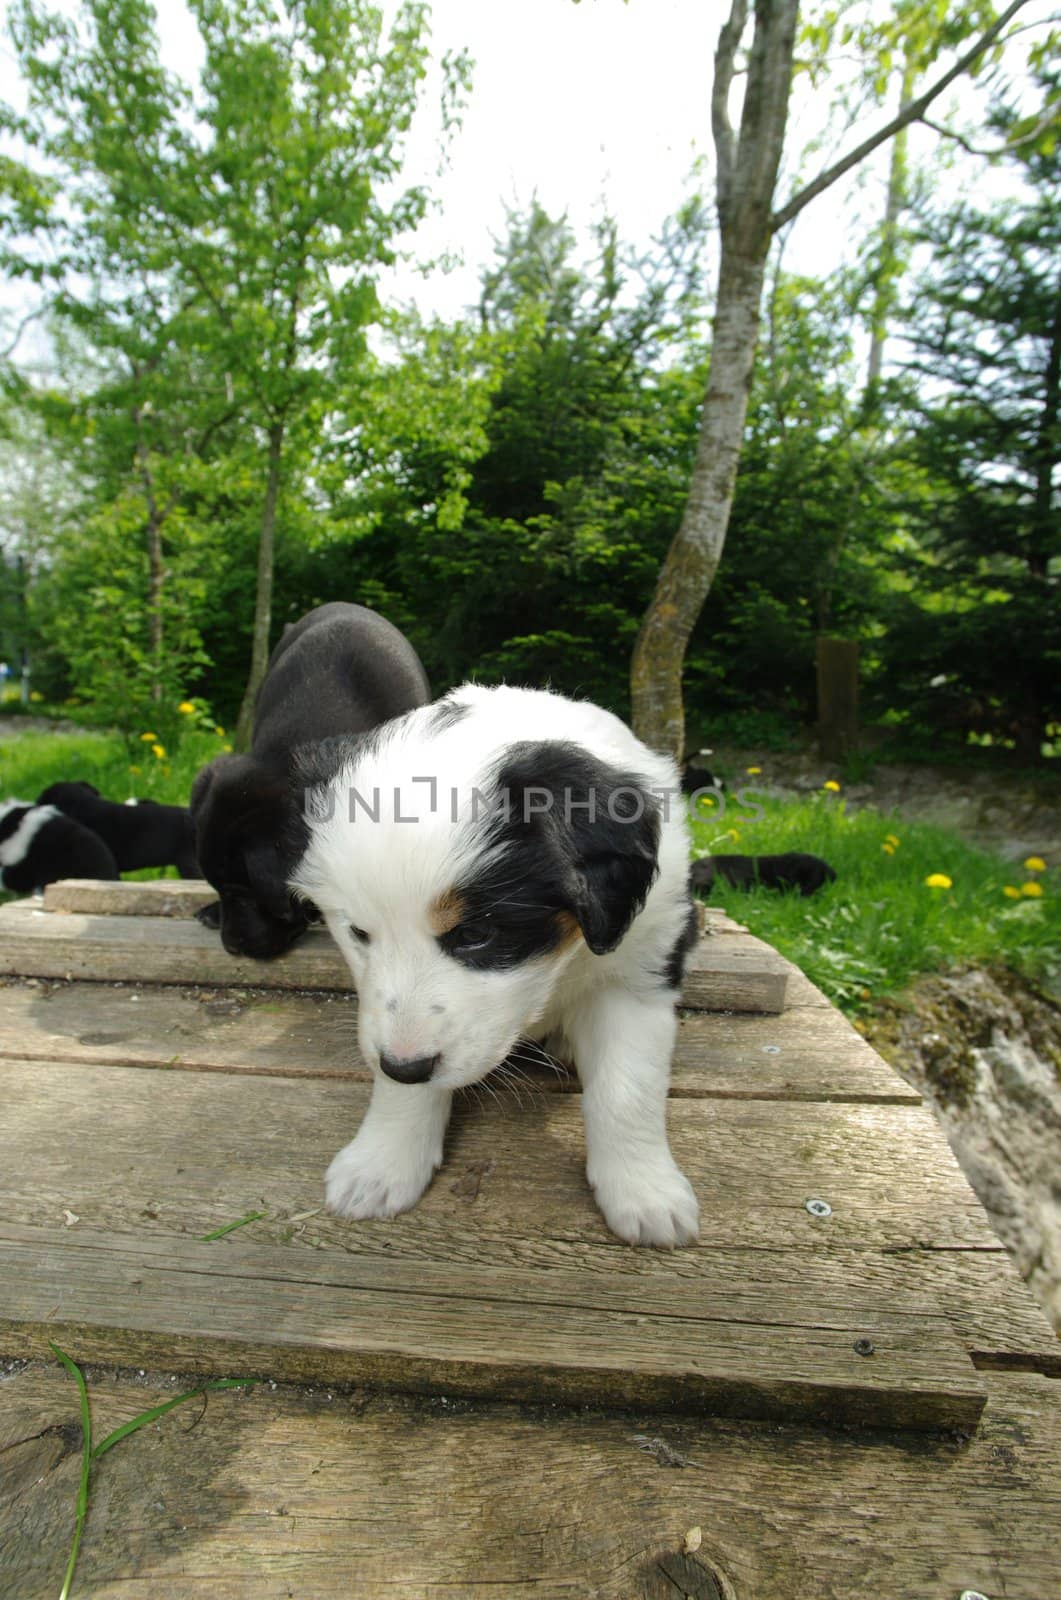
(602, 105)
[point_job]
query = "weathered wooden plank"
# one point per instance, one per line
(338, 1497)
(177, 897)
(36, 943)
(730, 972)
(162, 1157)
(800, 991)
(157, 897)
(809, 1054)
(735, 972)
(497, 1334)
(139, 1150)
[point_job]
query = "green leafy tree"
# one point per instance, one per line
(509, 480)
(981, 619)
(216, 249)
(748, 157)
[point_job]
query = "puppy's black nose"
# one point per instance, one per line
(416, 1071)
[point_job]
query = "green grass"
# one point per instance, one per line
(29, 762)
(120, 769)
(860, 938)
(880, 925)
(91, 1452)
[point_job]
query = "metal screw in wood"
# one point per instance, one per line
(818, 1208)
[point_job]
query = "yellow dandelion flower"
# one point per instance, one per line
(186, 708)
(227, 748)
(733, 833)
(159, 751)
(1010, 892)
(1035, 864)
(706, 800)
(832, 785)
(893, 839)
(35, 696)
(1032, 890)
(219, 731)
(888, 848)
(938, 880)
(753, 771)
(148, 738)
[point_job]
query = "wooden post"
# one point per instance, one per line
(837, 697)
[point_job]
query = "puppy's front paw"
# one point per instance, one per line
(377, 1180)
(650, 1204)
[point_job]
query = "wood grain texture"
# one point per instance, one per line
(810, 1054)
(202, 1149)
(496, 1333)
(730, 972)
(167, 1155)
(37, 943)
(334, 1496)
(734, 972)
(159, 897)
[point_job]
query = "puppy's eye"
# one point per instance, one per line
(472, 936)
(359, 934)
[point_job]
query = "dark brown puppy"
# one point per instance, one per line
(341, 670)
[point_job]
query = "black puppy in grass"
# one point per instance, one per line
(142, 835)
(342, 669)
(794, 869)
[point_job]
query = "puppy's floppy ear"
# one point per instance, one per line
(268, 841)
(248, 827)
(598, 826)
(206, 777)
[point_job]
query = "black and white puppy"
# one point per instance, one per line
(793, 869)
(142, 835)
(341, 669)
(39, 845)
(507, 864)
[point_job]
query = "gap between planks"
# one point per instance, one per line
(727, 971)
(279, 1492)
(492, 1334)
(809, 1053)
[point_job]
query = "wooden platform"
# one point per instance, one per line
(491, 1394)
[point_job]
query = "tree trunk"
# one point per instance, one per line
(748, 162)
(692, 560)
(888, 264)
(747, 175)
(1047, 446)
(156, 570)
(837, 697)
(263, 601)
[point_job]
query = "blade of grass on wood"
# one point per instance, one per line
(154, 1412)
(86, 1463)
(219, 1233)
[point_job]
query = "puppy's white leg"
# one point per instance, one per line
(388, 1165)
(622, 1048)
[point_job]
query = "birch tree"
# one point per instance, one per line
(748, 156)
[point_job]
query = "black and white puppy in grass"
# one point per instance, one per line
(507, 864)
(39, 845)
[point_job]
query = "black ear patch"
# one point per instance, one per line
(249, 829)
(589, 830)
